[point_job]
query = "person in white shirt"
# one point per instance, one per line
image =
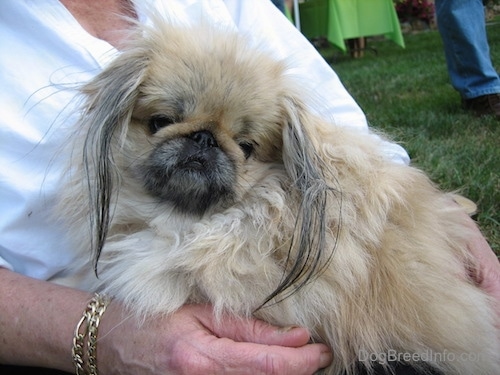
(48, 48)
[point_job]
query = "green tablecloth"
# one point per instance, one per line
(345, 19)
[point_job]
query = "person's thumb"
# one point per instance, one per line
(256, 331)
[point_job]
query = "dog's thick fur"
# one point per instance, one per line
(280, 215)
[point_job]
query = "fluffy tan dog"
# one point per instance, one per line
(205, 178)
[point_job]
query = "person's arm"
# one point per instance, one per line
(38, 319)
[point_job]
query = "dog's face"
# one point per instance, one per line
(202, 118)
(199, 123)
(194, 119)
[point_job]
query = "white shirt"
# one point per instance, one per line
(45, 54)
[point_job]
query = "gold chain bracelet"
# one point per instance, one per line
(87, 328)
(77, 351)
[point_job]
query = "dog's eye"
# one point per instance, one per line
(247, 148)
(159, 121)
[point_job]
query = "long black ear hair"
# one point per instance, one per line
(309, 251)
(110, 98)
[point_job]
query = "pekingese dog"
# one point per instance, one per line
(204, 177)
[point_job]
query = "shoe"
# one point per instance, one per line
(484, 105)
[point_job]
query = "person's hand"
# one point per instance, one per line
(190, 342)
(487, 272)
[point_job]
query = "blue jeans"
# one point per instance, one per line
(462, 26)
(280, 4)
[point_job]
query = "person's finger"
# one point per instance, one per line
(253, 330)
(488, 264)
(260, 332)
(211, 355)
(274, 359)
(486, 273)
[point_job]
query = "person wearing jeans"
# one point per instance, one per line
(462, 26)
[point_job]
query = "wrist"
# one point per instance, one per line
(86, 335)
(37, 321)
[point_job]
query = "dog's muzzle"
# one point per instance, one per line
(191, 172)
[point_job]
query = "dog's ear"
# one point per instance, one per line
(109, 102)
(308, 254)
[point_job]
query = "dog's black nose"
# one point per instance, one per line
(204, 138)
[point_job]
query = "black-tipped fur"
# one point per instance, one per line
(309, 253)
(112, 98)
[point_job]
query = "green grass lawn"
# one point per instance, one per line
(406, 93)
